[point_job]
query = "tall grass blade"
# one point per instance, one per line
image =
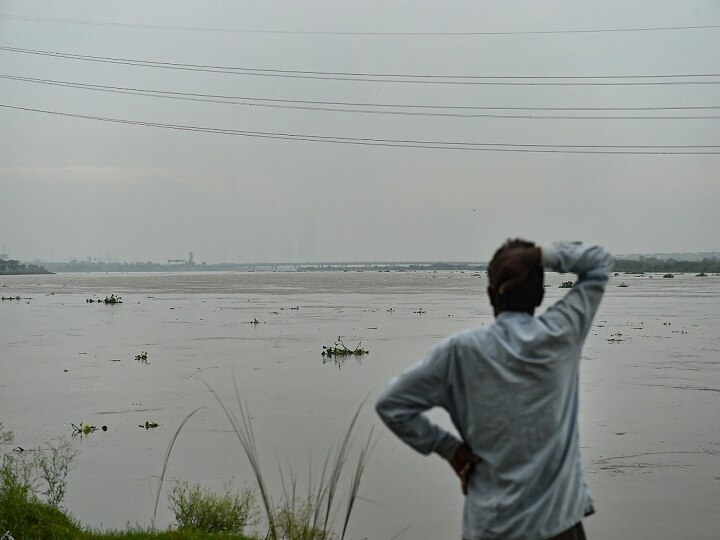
(393, 537)
(244, 432)
(165, 463)
(340, 459)
(321, 491)
(355, 483)
(297, 519)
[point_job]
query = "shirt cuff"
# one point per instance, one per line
(550, 256)
(447, 446)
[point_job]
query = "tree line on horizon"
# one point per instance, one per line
(646, 265)
(12, 266)
(649, 265)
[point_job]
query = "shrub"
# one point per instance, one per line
(21, 512)
(53, 466)
(25, 471)
(6, 437)
(296, 521)
(199, 508)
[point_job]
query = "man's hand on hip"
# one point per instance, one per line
(463, 463)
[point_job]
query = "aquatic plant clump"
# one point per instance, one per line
(111, 300)
(566, 285)
(339, 349)
(83, 429)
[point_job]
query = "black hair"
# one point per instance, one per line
(524, 297)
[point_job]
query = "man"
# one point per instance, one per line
(511, 389)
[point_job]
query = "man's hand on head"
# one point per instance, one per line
(514, 265)
(463, 463)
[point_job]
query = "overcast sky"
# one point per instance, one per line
(75, 188)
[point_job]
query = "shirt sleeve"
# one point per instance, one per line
(577, 308)
(407, 397)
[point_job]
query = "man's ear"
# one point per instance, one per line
(491, 295)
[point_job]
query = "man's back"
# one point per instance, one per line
(511, 389)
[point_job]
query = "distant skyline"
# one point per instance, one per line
(321, 131)
(685, 256)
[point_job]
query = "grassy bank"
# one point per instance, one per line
(32, 487)
(25, 519)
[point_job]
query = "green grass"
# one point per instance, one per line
(297, 517)
(199, 512)
(181, 534)
(28, 519)
(196, 507)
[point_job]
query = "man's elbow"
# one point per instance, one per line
(607, 258)
(602, 262)
(390, 410)
(382, 407)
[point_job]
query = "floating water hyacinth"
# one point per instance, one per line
(112, 299)
(83, 429)
(339, 349)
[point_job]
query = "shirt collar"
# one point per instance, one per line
(512, 315)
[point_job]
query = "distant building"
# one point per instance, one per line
(182, 262)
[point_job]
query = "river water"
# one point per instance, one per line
(650, 390)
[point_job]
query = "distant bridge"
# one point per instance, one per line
(349, 266)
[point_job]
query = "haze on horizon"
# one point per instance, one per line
(72, 188)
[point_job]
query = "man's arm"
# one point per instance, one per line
(592, 265)
(577, 308)
(407, 397)
(401, 407)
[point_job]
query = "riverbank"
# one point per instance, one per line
(22, 518)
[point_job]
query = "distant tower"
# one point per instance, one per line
(190, 260)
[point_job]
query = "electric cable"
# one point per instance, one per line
(351, 33)
(497, 80)
(408, 143)
(329, 106)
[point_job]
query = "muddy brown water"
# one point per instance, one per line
(650, 389)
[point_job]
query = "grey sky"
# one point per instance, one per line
(75, 188)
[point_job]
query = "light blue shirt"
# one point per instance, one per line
(511, 389)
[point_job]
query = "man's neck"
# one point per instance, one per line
(510, 312)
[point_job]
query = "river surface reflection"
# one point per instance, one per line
(650, 389)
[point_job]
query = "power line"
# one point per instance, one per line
(408, 143)
(339, 33)
(499, 80)
(406, 110)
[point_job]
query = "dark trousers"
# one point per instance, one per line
(576, 532)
